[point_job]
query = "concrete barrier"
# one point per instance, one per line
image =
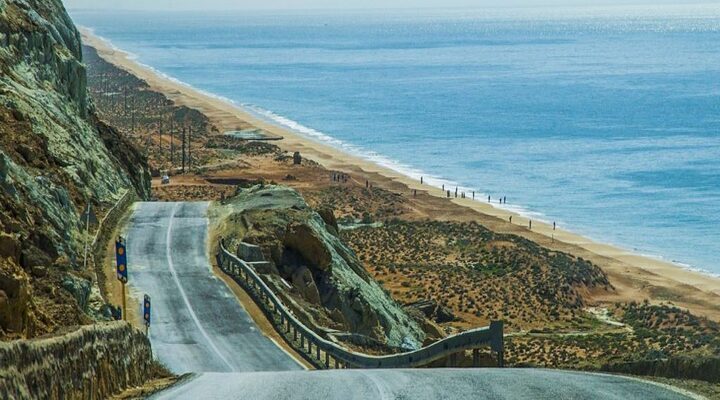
(326, 354)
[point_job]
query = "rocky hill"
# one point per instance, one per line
(56, 157)
(318, 275)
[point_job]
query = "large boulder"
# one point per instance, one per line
(14, 297)
(9, 246)
(304, 283)
(303, 238)
(79, 288)
(250, 252)
(328, 215)
(433, 311)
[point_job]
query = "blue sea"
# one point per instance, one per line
(606, 120)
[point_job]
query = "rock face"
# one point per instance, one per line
(55, 158)
(250, 252)
(114, 355)
(329, 287)
(433, 311)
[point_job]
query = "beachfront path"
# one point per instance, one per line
(200, 327)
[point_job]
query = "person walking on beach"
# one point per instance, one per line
(530, 224)
(488, 198)
(473, 195)
(510, 219)
(553, 225)
(421, 180)
(367, 184)
(504, 200)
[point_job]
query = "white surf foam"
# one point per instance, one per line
(384, 161)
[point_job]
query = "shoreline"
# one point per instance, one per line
(634, 275)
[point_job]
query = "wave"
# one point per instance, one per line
(382, 160)
(386, 162)
(430, 179)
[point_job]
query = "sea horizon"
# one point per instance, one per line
(376, 150)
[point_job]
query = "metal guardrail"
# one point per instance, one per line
(312, 346)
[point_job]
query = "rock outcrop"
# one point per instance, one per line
(55, 158)
(93, 362)
(320, 277)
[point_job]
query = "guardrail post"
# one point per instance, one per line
(283, 320)
(497, 342)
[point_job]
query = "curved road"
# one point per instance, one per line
(199, 326)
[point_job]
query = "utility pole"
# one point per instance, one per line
(133, 116)
(183, 149)
(160, 138)
(189, 147)
(172, 145)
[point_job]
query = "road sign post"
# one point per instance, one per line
(122, 274)
(146, 313)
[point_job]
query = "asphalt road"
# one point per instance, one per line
(416, 384)
(199, 326)
(197, 323)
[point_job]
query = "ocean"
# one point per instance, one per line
(605, 120)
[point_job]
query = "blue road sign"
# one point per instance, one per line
(146, 310)
(121, 258)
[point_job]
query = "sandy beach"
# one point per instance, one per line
(634, 276)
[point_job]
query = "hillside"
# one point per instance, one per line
(56, 157)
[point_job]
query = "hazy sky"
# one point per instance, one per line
(342, 4)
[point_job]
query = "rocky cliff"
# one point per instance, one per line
(56, 157)
(299, 254)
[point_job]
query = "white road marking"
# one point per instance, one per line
(383, 391)
(182, 291)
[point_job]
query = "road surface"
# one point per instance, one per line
(199, 326)
(417, 384)
(197, 323)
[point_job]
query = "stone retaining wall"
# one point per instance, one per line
(102, 236)
(93, 362)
